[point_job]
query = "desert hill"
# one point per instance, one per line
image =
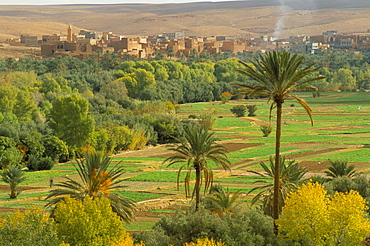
(281, 18)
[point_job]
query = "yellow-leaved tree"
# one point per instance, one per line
(205, 242)
(312, 216)
(87, 222)
(126, 240)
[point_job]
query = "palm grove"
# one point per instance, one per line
(58, 109)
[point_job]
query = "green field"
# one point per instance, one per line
(340, 131)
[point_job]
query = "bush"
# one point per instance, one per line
(54, 147)
(32, 227)
(251, 110)
(34, 146)
(345, 184)
(266, 130)
(205, 242)
(87, 222)
(10, 157)
(36, 163)
(6, 142)
(167, 127)
(45, 163)
(207, 119)
(126, 240)
(225, 97)
(238, 110)
(249, 228)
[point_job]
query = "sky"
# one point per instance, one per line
(53, 2)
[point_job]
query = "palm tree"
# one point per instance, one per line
(290, 176)
(277, 74)
(222, 201)
(13, 176)
(198, 148)
(340, 168)
(97, 179)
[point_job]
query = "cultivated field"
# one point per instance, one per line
(341, 131)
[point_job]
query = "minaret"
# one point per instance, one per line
(69, 33)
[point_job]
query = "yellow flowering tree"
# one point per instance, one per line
(348, 224)
(89, 222)
(126, 240)
(312, 216)
(205, 242)
(31, 227)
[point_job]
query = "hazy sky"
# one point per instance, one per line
(49, 2)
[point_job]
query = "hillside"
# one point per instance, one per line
(243, 18)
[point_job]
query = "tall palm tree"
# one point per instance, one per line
(276, 75)
(340, 168)
(13, 176)
(198, 148)
(290, 176)
(97, 179)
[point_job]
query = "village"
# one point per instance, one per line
(175, 45)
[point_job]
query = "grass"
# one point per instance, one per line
(356, 155)
(140, 196)
(241, 179)
(256, 151)
(161, 176)
(35, 177)
(139, 226)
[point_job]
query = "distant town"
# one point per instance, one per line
(176, 45)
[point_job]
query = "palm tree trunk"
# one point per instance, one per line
(197, 188)
(276, 203)
(13, 192)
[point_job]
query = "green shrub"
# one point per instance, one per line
(266, 130)
(345, 184)
(32, 162)
(33, 146)
(251, 110)
(45, 163)
(36, 163)
(6, 142)
(10, 157)
(207, 119)
(54, 147)
(166, 126)
(9, 154)
(238, 110)
(249, 228)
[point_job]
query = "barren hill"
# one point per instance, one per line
(253, 18)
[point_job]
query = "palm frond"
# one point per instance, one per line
(199, 147)
(97, 179)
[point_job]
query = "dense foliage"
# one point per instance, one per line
(87, 222)
(312, 217)
(93, 104)
(249, 228)
(32, 227)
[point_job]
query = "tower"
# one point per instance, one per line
(69, 33)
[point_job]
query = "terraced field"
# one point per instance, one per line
(341, 130)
